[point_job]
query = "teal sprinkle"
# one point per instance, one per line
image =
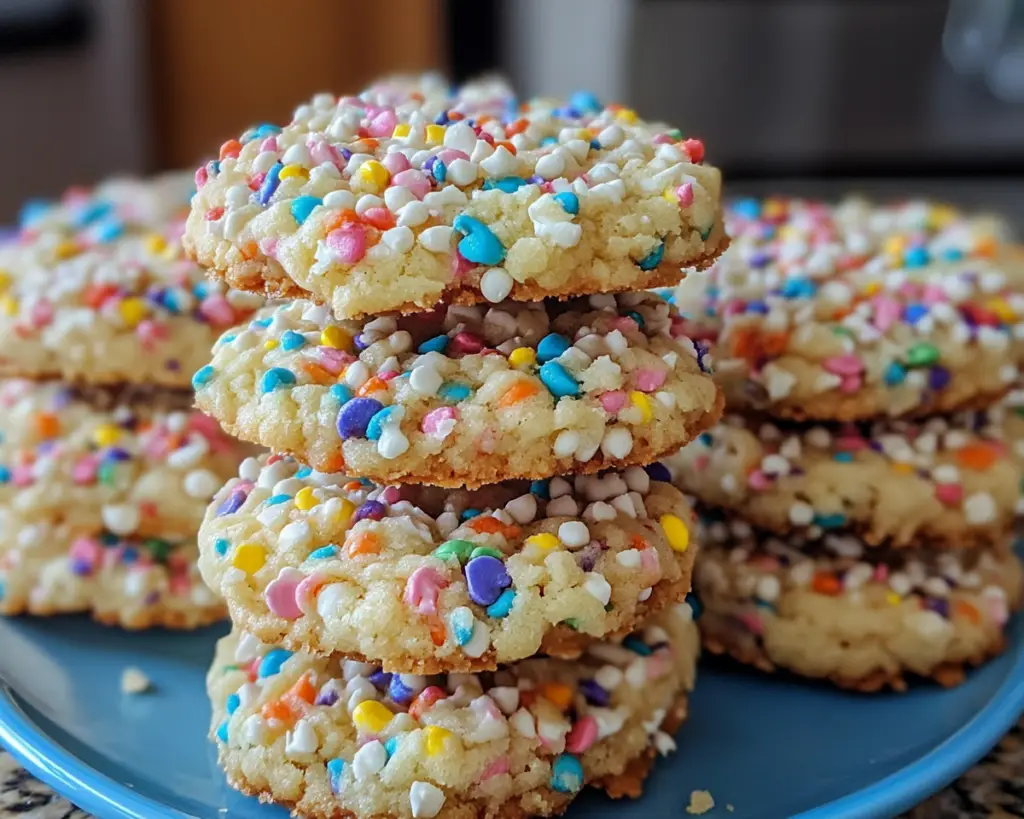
(566, 774)
(833, 521)
(570, 202)
(507, 184)
(274, 500)
(558, 380)
(304, 472)
(335, 768)
(653, 259)
(437, 344)
(302, 206)
(377, 423)
(221, 546)
(469, 514)
(272, 662)
(637, 646)
(233, 703)
(340, 393)
(202, 377)
(222, 732)
(894, 374)
(391, 745)
(843, 457)
(454, 391)
(323, 553)
(503, 605)
(478, 244)
(276, 378)
(292, 340)
(540, 489)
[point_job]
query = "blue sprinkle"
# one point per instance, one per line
(340, 393)
(437, 344)
(377, 423)
(953, 254)
(274, 500)
(478, 244)
(843, 457)
(696, 606)
(266, 129)
(32, 210)
(227, 338)
(391, 745)
(222, 731)
(894, 374)
(916, 257)
(914, 313)
(758, 307)
(202, 377)
(109, 230)
(454, 391)
(469, 514)
(221, 546)
(302, 206)
(233, 703)
(271, 664)
(292, 340)
(570, 202)
(658, 472)
(439, 171)
(92, 212)
(633, 314)
(507, 184)
(461, 625)
(354, 418)
(747, 208)
(552, 346)
(833, 521)
(323, 552)
(503, 605)
(304, 472)
(566, 774)
(706, 438)
(799, 288)
(559, 381)
(585, 101)
(637, 646)
(335, 768)
(653, 259)
(540, 489)
(270, 183)
(275, 378)
(261, 324)
(399, 691)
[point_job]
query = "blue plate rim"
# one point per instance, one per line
(106, 798)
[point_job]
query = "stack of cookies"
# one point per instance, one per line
(858, 517)
(426, 622)
(105, 471)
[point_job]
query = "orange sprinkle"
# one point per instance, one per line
(425, 700)
(249, 251)
(302, 692)
(518, 392)
(364, 543)
(558, 693)
(637, 542)
(751, 345)
(508, 146)
(47, 425)
(370, 386)
(230, 148)
(277, 709)
(967, 611)
(903, 469)
(380, 218)
(334, 462)
(95, 295)
(487, 525)
(437, 632)
(516, 127)
(352, 486)
(317, 373)
(341, 218)
(826, 583)
(978, 457)
(986, 246)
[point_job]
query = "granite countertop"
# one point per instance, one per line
(993, 788)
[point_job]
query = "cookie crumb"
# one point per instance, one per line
(134, 681)
(700, 802)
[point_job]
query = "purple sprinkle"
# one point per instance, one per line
(399, 691)
(702, 353)
(380, 678)
(486, 577)
(938, 605)
(81, 567)
(328, 696)
(938, 378)
(361, 342)
(354, 417)
(658, 472)
(152, 598)
(233, 503)
(594, 693)
(588, 555)
(346, 153)
(117, 454)
(172, 364)
(372, 510)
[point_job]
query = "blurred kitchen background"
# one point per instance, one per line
(896, 97)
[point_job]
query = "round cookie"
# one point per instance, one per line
(423, 580)
(827, 314)
(861, 617)
(466, 395)
(140, 464)
(382, 203)
(941, 483)
(132, 310)
(328, 738)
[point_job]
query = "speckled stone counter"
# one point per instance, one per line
(993, 788)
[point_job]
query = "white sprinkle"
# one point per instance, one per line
(121, 518)
(425, 380)
(201, 483)
(801, 514)
(574, 534)
(617, 443)
(302, 739)
(496, 284)
(436, 239)
(598, 586)
(522, 509)
(134, 681)
(980, 508)
(296, 534)
(425, 800)
(566, 443)
(369, 759)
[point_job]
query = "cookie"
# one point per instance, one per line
(135, 465)
(424, 580)
(466, 395)
(131, 310)
(329, 738)
(943, 483)
(861, 617)
(379, 203)
(829, 314)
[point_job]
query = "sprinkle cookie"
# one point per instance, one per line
(467, 395)
(133, 310)
(329, 738)
(894, 483)
(424, 580)
(860, 617)
(829, 314)
(396, 203)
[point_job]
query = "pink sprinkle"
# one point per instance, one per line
(22, 476)
(759, 481)
(281, 594)
(612, 401)
(495, 768)
(461, 265)
(180, 584)
(465, 343)
(416, 181)
(933, 294)
(42, 313)
(850, 383)
(851, 443)
(383, 124)
(422, 589)
(334, 360)
(307, 590)
(751, 622)
(322, 152)
(949, 493)
(734, 307)
(685, 194)
(887, 312)
(658, 665)
(650, 563)
(84, 470)
(217, 311)
(268, 247)
(648, 379)
(269, 144)
(997, 610)
(624, 324)
(438, 422)
(150, 332)
(395, 163)
(581, 736)
(348, 243)
(391, 494)
(701, 462)
(844, 364)
(449, 155)
(662, 139)
(86, 550)
(389, 375)
(202, 177)
(881, 573)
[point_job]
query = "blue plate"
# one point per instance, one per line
(768, 746)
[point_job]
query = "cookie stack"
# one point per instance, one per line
(426, 622)
(858, 518)
(105, 471)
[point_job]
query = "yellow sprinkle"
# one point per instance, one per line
(626, 115)
(344, 516)
(522, 357)
(435, 739)
(894, 246)
(1002, 309)
(371, 717)
(558, 693)
(334, 336)
(373, 175)
(288, 171)
(785, 232)
(106, 435)
(155, 244)
(642, 403)
(893, 598)
(872, 288)
(940, 216)
(676, 532)
(539, 546)
(669, 195)
(133, 311)
(903, 469)
(435, 133)
(66, 249)
(270, 344)
(305, 499)
(5, 279)
(249, 557)
(9, 305)
(401, 131)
